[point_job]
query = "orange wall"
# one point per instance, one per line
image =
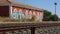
(4, 11)
(24, 10)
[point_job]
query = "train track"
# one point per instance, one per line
(12, 26)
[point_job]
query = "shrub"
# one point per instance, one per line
(33, 18)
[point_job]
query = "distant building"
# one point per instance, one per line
(17, 10)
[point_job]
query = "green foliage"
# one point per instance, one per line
(54, 18)
(49, 17)
(46, 16)
(59, 19)
(47, 13)
(33, 18)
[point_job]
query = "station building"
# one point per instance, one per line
(16, 10)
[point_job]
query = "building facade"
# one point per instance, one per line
(17, 10)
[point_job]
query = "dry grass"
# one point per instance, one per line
(7, 19)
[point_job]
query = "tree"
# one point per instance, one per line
(49, 17)
(54, 17)
(59, 19)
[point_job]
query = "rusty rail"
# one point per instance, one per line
(18, 26)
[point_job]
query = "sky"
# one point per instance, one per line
(43, 4)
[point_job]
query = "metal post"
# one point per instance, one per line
(32, 30)
(4, 33)
(55, 7)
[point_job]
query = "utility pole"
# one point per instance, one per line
(55, 7)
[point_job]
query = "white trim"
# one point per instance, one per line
(10, 10)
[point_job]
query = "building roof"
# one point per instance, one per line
(7, 2)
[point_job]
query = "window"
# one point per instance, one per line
(30, 14)
(34, 13)
(20, 10)
(15, 10)
(26, 12)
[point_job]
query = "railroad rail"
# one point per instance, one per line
(12, 26)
